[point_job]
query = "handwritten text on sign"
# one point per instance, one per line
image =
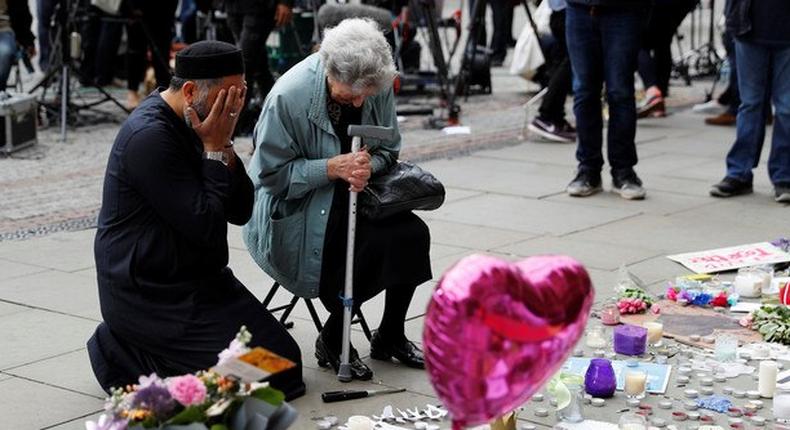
(724, 259)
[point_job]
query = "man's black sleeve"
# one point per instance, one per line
(239, 206)
(192, 203)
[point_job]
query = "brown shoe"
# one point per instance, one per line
(725, 119)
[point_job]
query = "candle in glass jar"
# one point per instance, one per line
(749, 283)
(766, 383)
(610, 315)
(595, 338)
(635, 383)
(655, 331)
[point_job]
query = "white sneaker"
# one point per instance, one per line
(711, 107)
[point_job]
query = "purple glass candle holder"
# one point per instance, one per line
(630, 340)
(600, 381)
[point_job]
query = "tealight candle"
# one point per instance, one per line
(655, 331)
(610, 315)
(635, 383)
(595, 338)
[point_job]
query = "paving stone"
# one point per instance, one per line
(670, 234)
(515, 177)
(528, 215)
(77, 423)
(54, 290)
(12, 269)
(35, 335)
(9, 308)
(473, 237)
(657, 202)
(67, 252)
(42, 405)
(310, 406)
(597, 255)
(73, 373)
(560, 154)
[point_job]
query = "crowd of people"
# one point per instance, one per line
(173, 181)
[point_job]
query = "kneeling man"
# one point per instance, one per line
(170, 303)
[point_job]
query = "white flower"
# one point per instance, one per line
(235, 349)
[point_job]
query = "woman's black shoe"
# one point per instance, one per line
(404, 351)
(326, 357)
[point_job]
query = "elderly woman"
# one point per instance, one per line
(303, 170)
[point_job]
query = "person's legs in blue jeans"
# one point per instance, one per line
(44, 11)
(7, 56)
(620, 38)
(779, 160)
(753, 82)
(583, 37)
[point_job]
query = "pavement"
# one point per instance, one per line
(505, 197)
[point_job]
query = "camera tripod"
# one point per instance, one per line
(63, 70)
(454, 87)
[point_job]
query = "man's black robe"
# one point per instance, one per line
(170, 303)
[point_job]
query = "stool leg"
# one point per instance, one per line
(270, 294)
(364, 324)
(284, 318)
(314, 315)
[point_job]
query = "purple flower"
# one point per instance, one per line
(782, 243)
(152, 395)
(106, 422)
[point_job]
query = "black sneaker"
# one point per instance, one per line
(585, 184)
(729, 187)
(782, 193)
(562, 132)
(628, 186)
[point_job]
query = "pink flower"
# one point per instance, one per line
(187, 390)
(655, 309)
(672, 294)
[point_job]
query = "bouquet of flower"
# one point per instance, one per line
(700, 297)
(772, 322)
(201, 401)
(631, 295)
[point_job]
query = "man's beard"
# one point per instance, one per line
(201, 109)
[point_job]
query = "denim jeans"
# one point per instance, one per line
(7, 56)
(762, 69)
(603, 44)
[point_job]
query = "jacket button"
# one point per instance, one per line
(323, 211)
(316, 251)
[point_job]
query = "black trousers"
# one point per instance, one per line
(152, 27)
(251, 32)
(502, 16)
(552, 108)
(101, 38)
(655, 55)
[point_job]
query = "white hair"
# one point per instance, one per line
(356, 53)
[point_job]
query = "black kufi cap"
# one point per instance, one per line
(209, 59)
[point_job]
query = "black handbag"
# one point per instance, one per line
(405, 187)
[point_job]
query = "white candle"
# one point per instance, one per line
(749, 284)
(655, 330)
(766, 384)
(359, 422)
(635, 383)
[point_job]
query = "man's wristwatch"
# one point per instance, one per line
(220, 156)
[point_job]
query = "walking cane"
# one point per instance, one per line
(357, 132)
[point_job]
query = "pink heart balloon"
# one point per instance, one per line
(495, 331)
